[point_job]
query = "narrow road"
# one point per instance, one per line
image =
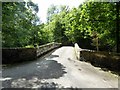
(58, 69)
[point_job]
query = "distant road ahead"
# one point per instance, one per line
(58, 69)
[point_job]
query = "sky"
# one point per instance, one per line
(45, 4)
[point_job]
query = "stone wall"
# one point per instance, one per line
(47, 47)
(102, 59)
(13, 55)
(108, 60)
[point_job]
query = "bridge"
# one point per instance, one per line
(59, 68)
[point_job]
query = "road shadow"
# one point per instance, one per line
(49, 69)
(46, 69)
(53, 56)
(38, 84)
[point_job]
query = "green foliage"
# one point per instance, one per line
(29, 46)
(56, 24)
(77, 24)
(100, 17)
(21, 26)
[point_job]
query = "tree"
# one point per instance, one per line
(51, 10)
(19, 23)
(117, 27)
(56, 23)
(95, 40)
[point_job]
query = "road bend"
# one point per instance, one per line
(58, 69)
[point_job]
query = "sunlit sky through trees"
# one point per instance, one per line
(45, 4)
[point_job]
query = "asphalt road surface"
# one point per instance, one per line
(58, 69)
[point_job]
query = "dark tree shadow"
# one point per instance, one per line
(53, 56)
(47, 69)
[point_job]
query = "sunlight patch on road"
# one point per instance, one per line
(4, 79)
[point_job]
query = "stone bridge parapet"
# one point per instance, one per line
(13, 55)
